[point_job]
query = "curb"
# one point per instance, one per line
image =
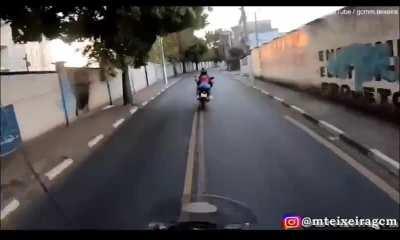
(388, 163)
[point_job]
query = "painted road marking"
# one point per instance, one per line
(144, 103)
(379, 182)
(278, 99)
(265, 92)
(59, 168)
(298, 109)
(133, 110)
(332, 138)
(14, 204)
(95, 140)
(108, 106)
(330, 127)
(117, 123)
(152, 98)
(201, 176)
(386, 159)
(187, 189)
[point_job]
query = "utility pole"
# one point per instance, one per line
(258, 42)
(255, 28)
(243, 19)
(163, 61)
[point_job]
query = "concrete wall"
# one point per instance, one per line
(36, 99)
(244, 65)
(344, 52)
(115, 83)
(96, 83)
(138, 76)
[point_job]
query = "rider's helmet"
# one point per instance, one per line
(203, 72)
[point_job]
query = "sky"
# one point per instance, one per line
(283, 18)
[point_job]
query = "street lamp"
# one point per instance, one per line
(163, 61)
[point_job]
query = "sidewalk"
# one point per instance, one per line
(364, 128)
(64, 146)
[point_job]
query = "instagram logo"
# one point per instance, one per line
(291, 222)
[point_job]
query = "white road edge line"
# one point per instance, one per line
(278, 99)
(330, 127)
(118, 122)
(95, 140)
(59, 168)
(297, 109)
(385, 158)
(133, 110)
(379, 182)
(144, 103)
(14, 204)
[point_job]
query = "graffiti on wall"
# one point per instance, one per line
(368, 62)
(10, 137)
(362, 63)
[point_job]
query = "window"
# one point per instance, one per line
(322, 71)
(390, 45)
(350, 72)
(321, 56)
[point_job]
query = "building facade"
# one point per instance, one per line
(37, 56)
(31, 56)
(264, 31)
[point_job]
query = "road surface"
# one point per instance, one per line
(251, 153)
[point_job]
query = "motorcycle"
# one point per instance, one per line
(203, 93)
(211, 212)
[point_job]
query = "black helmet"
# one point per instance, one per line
(203, 71)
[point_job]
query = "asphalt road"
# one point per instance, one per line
(251, 154)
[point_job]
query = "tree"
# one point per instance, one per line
(213, 40)
(121, 34)
(236, 53)
(196, 51)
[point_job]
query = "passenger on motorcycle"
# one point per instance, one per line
(204, 82)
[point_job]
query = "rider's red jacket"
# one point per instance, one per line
(206, 79)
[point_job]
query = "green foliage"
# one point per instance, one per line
(196, 51)
(171, 50)
(121, 34)
(213, 41)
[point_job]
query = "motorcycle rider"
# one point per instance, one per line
(204, 79)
